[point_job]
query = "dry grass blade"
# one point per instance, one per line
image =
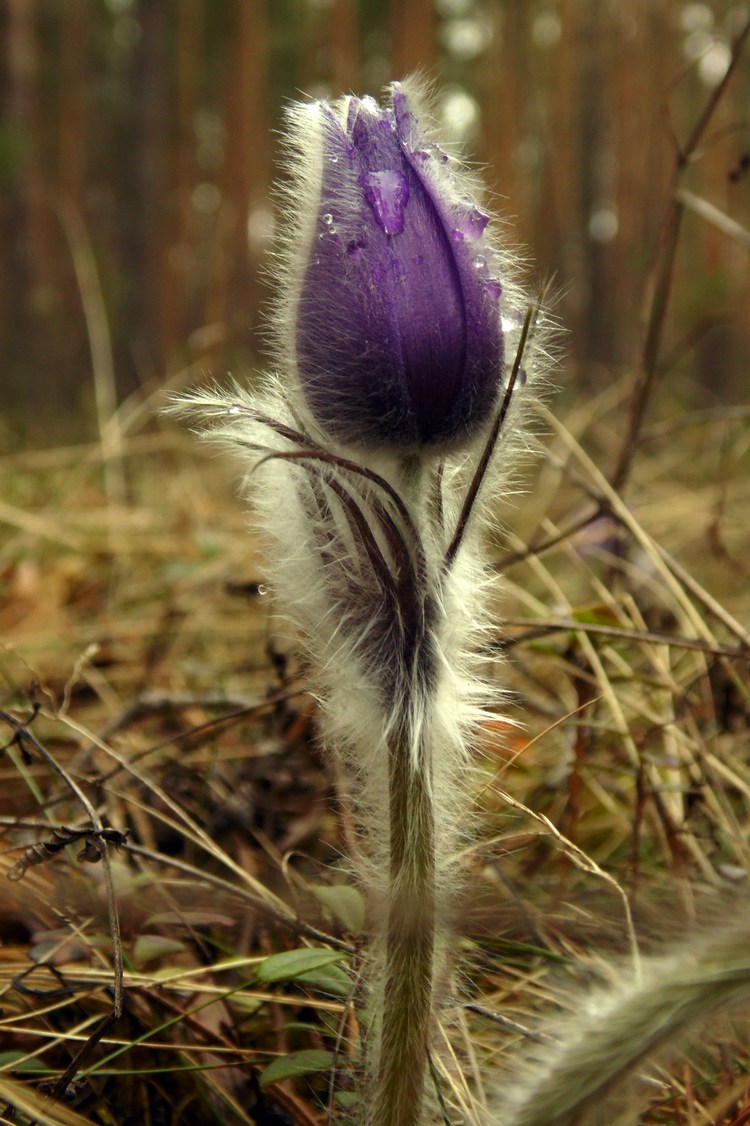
(101, 349)
(97, 843)
(537, 627)
(36, 1107)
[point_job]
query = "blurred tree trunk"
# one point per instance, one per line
(182, 292)
(595, 155)
(142, 204)
(346, 63)
(25, 227)
(413, 36)
(246, 172)
(73, 132)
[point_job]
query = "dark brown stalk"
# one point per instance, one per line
(490, 445)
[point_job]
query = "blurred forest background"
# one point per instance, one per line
(141, 663)
(137, 147)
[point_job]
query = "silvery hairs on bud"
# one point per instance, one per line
(406, 356)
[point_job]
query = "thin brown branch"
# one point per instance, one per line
(491, 443)
(540, 627)
(536, 549)
(660, 285)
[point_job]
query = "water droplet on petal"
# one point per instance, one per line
(480, 262)
(387, 193)
(233, 410)
(327, 219)
(262, 590)
(471, 223)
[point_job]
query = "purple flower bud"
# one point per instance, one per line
(394, 326)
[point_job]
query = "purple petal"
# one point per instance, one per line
(398, 337)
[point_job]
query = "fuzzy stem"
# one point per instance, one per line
(410, 942)
(598, 1047)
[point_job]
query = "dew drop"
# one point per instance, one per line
(233, 410)
(327, 219)
(480, 262)
(262, 590)
(471, 223)
(387, 193)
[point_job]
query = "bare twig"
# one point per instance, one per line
(660, 285)
(490, 445)
(715, 216)
(537, 627)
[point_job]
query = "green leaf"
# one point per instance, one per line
(329, 979)
(345, 903)
(297, 1063)
(18, 1061)
(292, 964)
(247, 1002)
(346, 1099)
(150, 946)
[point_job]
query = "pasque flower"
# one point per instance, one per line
(377, 439)
(392, 322)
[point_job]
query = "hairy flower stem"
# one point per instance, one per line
(410, 941)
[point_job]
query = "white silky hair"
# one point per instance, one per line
(355, 719)
(584, 1072)
(577, 1077)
